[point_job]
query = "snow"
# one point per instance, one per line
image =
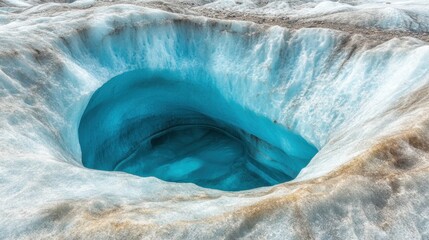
(362, 104)
(387, 15)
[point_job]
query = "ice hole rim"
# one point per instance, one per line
(170, 125)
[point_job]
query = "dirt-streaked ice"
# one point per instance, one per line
(362, 102)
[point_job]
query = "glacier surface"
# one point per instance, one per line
(75, 76)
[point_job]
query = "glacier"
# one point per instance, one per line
(317, 109)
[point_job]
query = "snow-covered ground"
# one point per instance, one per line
(389, 15)
(361, 100)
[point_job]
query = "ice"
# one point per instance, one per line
(361, 102)
(148, 122)
(400, 15)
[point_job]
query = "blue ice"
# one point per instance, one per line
(177, 128)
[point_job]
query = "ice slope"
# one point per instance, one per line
(362, 103)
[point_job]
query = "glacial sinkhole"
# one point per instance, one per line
(161, 124)
(361, 101)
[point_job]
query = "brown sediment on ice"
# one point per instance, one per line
(375, 181)
(377, 176)
(382, 171)
(193, 9)
(378, 35)
(373, 33)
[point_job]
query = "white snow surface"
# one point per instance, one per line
(363, 104)
(412, 15)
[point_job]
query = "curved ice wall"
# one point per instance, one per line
(373, 147)
(177, 126)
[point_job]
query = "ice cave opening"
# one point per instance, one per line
(164, 124)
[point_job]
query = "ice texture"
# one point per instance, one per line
(404, 15)
(363, 103)
(175, 125)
